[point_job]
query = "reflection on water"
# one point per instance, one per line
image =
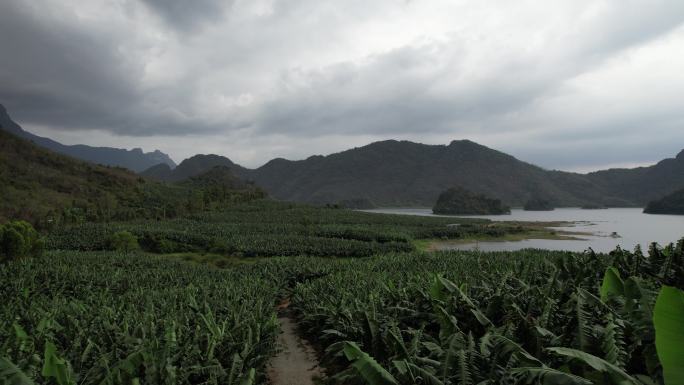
(632, 226)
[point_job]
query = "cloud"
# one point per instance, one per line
(537, 79)
(186, 15)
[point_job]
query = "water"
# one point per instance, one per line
(631, 224)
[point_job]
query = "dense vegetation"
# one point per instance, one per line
(19, 239)
(86, 318)
(538, 204)
(670, 204)
(50, 190)
(530, 317)
(269, 228)
(445, 318)
(459, 201)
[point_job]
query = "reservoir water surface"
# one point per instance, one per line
(631, 226)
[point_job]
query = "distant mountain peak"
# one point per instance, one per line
(193, 166)
(134, 159)
(680, 156)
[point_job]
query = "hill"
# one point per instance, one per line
(49, 189)
(459, 201)
(134, 159)
(642, 184)
(402, 173)
(670, 204)
(190, 167)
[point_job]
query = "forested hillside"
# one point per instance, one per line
(190, 167)
(47, 188)
(669, 204)
(402, 173)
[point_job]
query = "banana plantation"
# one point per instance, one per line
(375, 309)
(529, 317)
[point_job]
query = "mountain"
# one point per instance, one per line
(402, 173)
(643, 184)
(134, 159)
(190, 167)
(218, 176)
(670, 204)
(49, 189)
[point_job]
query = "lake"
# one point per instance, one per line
(631, 224)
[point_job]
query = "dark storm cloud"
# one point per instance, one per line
(74, 75)
(186, 15)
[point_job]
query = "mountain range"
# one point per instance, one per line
(134, 159)
(401, 173)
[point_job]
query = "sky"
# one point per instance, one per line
(575, 85)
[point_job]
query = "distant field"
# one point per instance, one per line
(270, 228)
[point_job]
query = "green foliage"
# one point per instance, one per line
(19, 239)
(56, 367)
(113, 318)
(123, 241)
(668, 319)
(371, 371)
(459, 201)
(10, 374)
(528, 317)
(612, 284)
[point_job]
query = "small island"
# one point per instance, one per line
(538, 204)
(459, 201)
(669, 204)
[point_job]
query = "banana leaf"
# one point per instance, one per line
(595, 363)
(10, 374)
(367, 367)
(612, 284)
(668, 319)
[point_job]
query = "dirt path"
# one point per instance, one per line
(296, 364)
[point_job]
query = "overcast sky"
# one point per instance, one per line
(572, 85)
